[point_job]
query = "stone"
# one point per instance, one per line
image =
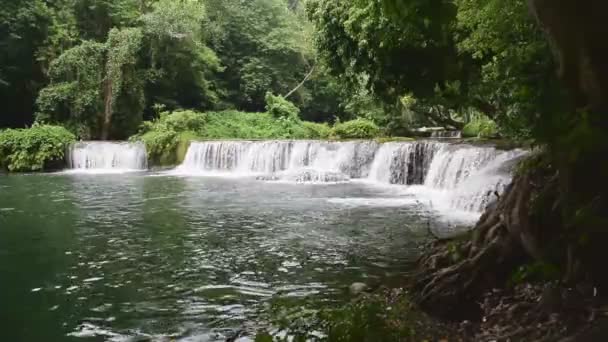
(357, 288)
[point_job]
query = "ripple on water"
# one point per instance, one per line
(165, 258)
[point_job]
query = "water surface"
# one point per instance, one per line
(154, 257)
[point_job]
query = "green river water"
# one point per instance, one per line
(142, 256)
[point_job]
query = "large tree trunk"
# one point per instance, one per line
(577, 30)
(108, 111)
(453, 276)
(557, 209)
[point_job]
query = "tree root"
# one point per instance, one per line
(503, 237)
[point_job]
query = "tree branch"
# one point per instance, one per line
(301, 83)
(442, 119)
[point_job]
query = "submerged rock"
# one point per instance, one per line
(357, 288)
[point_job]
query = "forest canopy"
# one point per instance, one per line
(102, 67)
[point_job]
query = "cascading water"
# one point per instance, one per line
(446, 134)
(468, 178)
(99, 156)
(403, 163)
(447, 176)
(313, 161)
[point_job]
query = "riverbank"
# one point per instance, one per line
(521, 309)
(514, 276)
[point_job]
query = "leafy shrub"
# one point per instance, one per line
(279, 107)
(167, 137)
(488, 129)
(356, 129)
(387, 315)
(316, 130)
(34, 149)
(185, 120)
(482, 128)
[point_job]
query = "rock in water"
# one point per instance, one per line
(357, 288)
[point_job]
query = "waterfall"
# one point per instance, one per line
(107, 156)
(446, 134)
(452, 177)
(468, 178)
(280, 159)
(403, 163)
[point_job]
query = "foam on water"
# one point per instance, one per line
(456, 180)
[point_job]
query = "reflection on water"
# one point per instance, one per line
(110, 257)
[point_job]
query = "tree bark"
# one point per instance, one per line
(108, 111)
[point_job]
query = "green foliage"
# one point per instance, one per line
(356, 129)
(23, 28)
(317, 130)
(167, 137)
(33, 149)
(480, 128)
(74, 95)
(263, 46)
(517, 74)
(279, 107)
(384, 316)
(182, 67)
(534, 272)
(414, 54)
(124, 99)
(93, 82)
(241, 125)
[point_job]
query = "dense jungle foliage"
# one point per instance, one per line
(101, 68)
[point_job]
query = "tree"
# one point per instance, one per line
(260, 44)
(93, 82)
(23, 26)
(182, 67)
(416, 55)
(518, 86)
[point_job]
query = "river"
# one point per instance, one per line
(190, 256)
(86, 257)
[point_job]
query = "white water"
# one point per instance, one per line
(458, 180)
(447, 134)
(279, 159)
(466, 178)
(107, 157)
(403, 163)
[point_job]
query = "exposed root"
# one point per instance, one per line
(502, 239)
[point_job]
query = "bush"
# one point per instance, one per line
(241, 125)
(356, 129)
(279, 107)
(483, 128)
(34, 149)
(385, 315)
(488, 129)
(317, 130)
(185, 120)
(168, 137)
